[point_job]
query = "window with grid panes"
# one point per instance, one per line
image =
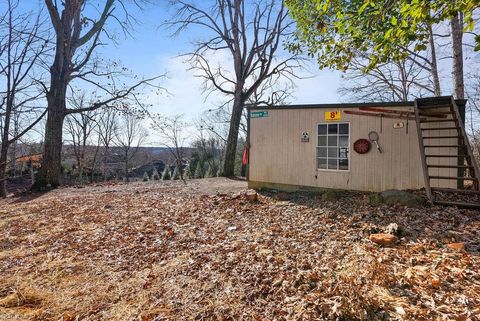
(333, 143)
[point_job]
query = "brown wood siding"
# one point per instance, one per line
(277, 154)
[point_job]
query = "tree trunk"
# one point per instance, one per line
(80, 174)
(49, 174)
(4, 146)
(434, 67)
(12, 148)
(179, 166)
(231, 150)
(127, 179)
(94, 163)
(32, 172)
(3, 170)
(457, 70)
(404, 80)
(105, 160)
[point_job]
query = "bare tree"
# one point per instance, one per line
(77, 35)
(473, 111)
(172, 134)
(432, 63)
(81, 127)
(107, 129)
(208, 149)
(271, 92)
(251, 32)
(456, 24)
(391, 81)
(427, 59)
(129, 139)
(22, 42)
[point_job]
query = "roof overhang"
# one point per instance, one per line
(334, 106)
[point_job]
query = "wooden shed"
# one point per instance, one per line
(305, 147)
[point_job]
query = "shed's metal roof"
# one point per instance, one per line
(337, 105)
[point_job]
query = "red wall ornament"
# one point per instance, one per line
(361, 146)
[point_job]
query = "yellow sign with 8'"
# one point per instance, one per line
(333, 115)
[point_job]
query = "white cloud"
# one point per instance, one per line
(186, 96)
(319, 89)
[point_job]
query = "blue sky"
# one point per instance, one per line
(153, 50)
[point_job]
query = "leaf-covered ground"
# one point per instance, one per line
(203, 251)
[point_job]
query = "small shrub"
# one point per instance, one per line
(145, 177)
(198, 171)
(155, 175)
(176, 174)
(187, 173)
(210, 172)
(166, 174)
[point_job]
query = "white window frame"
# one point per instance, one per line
(317, 146)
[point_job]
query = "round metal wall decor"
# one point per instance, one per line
(361, 146)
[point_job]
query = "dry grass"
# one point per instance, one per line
(22, 298)
(148, 251)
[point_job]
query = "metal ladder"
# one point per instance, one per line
(444, 110)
